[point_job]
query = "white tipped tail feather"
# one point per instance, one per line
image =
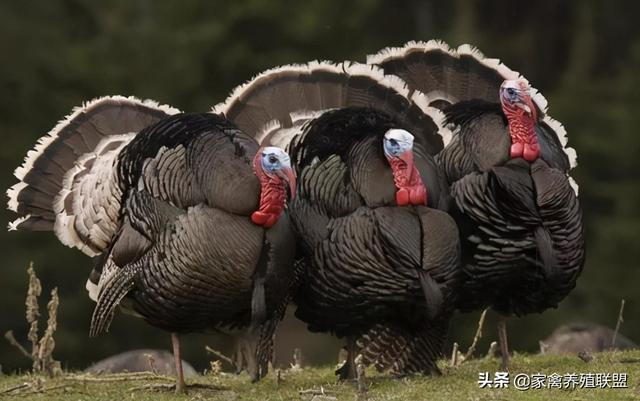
(420, 65)
(275, 104)
(68, 182)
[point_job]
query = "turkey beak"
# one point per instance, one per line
(526, 104)
(287, 174)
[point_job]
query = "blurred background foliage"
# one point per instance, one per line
(583, 55)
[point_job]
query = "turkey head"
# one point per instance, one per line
(398, 149)
(521, 114)
(272, 165)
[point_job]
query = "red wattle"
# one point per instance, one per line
(418, 195)
(259, 218)
(410, 188)
(265, 220)
(524, 140)
(272, 197)
(516, 149)
(402, 197)
(531, 152)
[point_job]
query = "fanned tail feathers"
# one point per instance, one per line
(66, 183)
(274, 105)
(447, 76)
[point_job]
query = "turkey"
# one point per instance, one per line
(508, 166)
(183, 214)
(381, 260)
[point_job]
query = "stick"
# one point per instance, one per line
(297, 359)
(493, 350)
(222, 356)
(618, 323)
(454, 355)
(360, 376)
(12, 340)
(14, 388)
(43, 390)
(153, 386)
(119, 377)
(33, 313)
(477, 337)
(313, 391)
(152, 363)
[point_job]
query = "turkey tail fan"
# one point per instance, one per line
(443, 73)
(67, 181)
(447, 76)
(275, 104)
(404, 351)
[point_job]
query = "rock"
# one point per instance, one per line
(137, 361)
(578, 337)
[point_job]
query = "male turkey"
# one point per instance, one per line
(508, 166)
(182, 212)
(381, 260)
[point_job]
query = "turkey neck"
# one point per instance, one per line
(273, 196)
(406, 177)
(522, 126)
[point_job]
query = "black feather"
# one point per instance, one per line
(463, 113)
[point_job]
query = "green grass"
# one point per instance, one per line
(459, 383)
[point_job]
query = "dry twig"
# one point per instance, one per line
(313, 391)
(33, 313)
(118, 377)
(152, 363)
(41, 349)
(216, 368)
(221, 356)
(12, 340)
(43, 389)
(492, 352)
(454, 355)
(15, 388)
(618, 323)
(154, 387)
(477, 337)
(47, 343)
(297, 359)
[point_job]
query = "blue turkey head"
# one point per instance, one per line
(275, 163)
(397, 142)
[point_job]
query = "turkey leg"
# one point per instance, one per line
(504, 346)
(348, 370)
(181, 388)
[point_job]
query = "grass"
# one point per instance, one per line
(460, 383)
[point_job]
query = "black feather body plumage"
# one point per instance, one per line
(520, 222)
(164, 204)
(367, 259)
